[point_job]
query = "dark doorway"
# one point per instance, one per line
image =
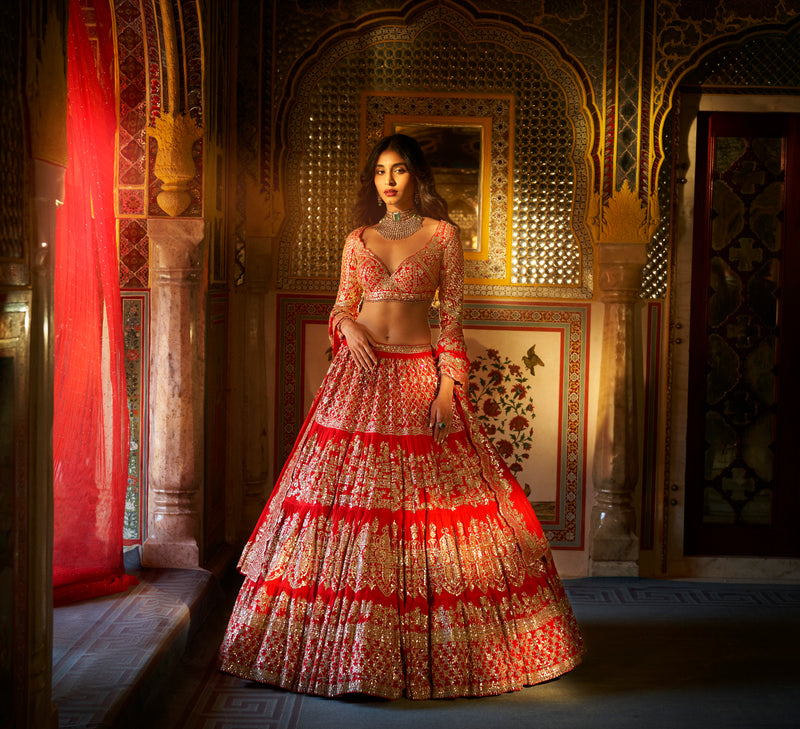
(741, 471)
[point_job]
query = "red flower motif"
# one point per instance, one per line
(495, 377)
(491, 408)
(518, 423)
(515, 468)
(514, 369)
(491, 430)
(519, 391)
(493, 354)
(505, 448)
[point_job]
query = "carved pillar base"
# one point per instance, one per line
(614, 545)
(176, 395)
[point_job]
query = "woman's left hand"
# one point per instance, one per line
(441, 413)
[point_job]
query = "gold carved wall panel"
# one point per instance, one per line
(443, 64)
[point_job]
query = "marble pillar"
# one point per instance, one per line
(177, 328)
(613, 542)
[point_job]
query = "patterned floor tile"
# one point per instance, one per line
(104, 648)
(666, 655)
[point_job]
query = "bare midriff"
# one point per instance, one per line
(396, 322)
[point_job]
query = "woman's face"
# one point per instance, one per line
(394, 182)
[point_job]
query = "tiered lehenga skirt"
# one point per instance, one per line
(387, 565)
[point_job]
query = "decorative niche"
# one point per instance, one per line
(439, 69)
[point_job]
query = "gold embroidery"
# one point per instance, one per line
(350, 645)
(390, 565)
(440, 264)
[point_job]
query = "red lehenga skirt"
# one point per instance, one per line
(387, 565)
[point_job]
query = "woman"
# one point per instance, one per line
(397, 555)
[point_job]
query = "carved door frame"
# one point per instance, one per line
(677, 562)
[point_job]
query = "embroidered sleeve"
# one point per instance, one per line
(348, 299)
(451, 353)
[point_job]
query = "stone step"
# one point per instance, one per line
(113, 657)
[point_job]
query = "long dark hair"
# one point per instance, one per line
(368, 211)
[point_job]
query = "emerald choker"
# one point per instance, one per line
(396, 226)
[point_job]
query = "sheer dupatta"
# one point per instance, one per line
(90, 426)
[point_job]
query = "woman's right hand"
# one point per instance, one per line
(360, 343)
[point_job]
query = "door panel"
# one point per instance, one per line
(741, 484)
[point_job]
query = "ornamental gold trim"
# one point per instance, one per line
(624, 218)
(174, 165)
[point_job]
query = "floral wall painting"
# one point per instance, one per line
(544, 349)
(504, 403)
(516, 398)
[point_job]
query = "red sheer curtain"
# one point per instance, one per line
(90, 427)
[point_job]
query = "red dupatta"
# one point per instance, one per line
(90, 424)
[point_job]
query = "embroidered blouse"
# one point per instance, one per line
(437, 265)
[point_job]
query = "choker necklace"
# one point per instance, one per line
(396, 226)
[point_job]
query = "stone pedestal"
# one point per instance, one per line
(177, 328)
(613, 543)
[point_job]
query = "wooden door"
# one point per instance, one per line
(744, 375)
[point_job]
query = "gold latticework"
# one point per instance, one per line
(538, 243)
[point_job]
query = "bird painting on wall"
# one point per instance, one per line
(531, 360)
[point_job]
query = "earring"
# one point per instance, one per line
(416, 197)
(380, 201)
